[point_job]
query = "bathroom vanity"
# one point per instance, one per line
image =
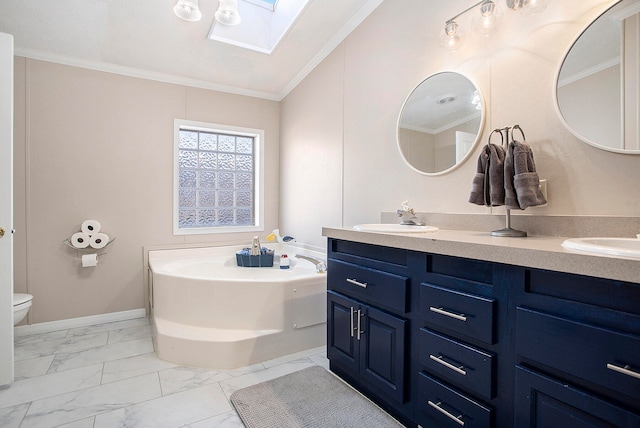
(458, 328)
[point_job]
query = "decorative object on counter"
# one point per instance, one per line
(87, 241)
(408, 215)
(255, 256)
(507, 178)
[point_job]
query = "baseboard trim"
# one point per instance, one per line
(45, 327)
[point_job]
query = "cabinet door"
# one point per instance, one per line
(342, 344)
(543, 402)
(382, 344)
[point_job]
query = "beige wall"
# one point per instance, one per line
(396, 48)
(97, 145)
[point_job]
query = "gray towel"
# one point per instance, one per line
(525, 180)
(479, 187)
(511, 198)
(496, 175)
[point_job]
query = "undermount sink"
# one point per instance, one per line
(394, 228)
(629, 247)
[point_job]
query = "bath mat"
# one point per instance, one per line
(309, 398)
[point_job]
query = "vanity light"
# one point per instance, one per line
(487, 21)
(528, 7)
(227, 13)
(187, 10)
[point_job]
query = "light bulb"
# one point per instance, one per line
(187, 10)
(451, 37)
(227, 13)
(488, 20)
(531, 7)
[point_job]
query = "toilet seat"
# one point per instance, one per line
(21, 298)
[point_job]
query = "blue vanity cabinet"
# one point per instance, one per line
(577, 351)
(368, 322)
(447, 341)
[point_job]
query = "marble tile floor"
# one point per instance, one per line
(108, 375)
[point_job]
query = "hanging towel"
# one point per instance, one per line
(479, 187)
(525, 180)
(511, 198)
(487, 187)
(496, 175)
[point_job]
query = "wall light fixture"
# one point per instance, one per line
(487, 21)
(187, 10)
(227, 13)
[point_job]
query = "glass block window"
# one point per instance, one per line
(217, 185)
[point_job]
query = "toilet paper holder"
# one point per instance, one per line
(82, 251)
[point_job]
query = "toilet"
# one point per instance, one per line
(21, 305)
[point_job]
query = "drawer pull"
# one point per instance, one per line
(440, 360)
(436, 406)
(441, 311)
(358, 283)
(624, 370)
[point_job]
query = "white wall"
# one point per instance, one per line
(368, 78)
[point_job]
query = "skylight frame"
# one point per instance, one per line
(261, 29)
(267, 4)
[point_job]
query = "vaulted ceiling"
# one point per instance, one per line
(144, 38)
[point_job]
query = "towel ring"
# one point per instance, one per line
(498, 130)
(519, 129)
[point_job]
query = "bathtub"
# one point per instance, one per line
(208, 312)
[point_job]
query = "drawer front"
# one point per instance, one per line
(468, 367)
(601, 356)
(464, 313)
(369, 285)
(449, 407)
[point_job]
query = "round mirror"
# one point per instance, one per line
(597, 93)
(440, 123)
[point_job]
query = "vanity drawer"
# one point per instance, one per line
(449, 407)
(373, 286)
(601, 356)
(464, 313)
(468, 367)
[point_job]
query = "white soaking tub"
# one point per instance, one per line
(208, 312)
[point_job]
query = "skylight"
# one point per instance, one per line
(269, 4)
(264, 24)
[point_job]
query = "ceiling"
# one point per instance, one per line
(144, 38)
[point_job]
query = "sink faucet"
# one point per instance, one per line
(408, 215)
(321, 265)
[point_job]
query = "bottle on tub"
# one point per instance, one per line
(284, 261)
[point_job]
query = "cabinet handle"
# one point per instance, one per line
(360, 314)
(436, 406)
(440, 360)
(441, 311)
(358, 283)
(624, 370)
(352, 321)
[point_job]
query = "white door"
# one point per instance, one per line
(6, 209)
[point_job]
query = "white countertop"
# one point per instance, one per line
(542, 252)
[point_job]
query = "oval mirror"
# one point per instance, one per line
(440, 123)
(597, 93)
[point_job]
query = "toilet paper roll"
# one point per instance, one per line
(90, 227)
(80, 240)
(99, 240)
(89, 260)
